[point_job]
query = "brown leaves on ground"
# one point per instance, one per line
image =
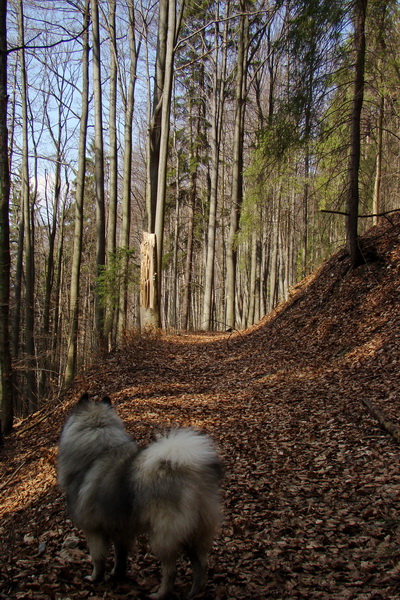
(312, 484)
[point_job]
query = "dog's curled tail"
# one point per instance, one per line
(181, 448)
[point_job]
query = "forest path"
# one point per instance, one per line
(312, 485)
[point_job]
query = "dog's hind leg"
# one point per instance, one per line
(98, 546)
(198, 560)
(121, 551)
(168, 564)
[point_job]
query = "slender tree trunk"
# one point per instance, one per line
(237, 169)
(99, 171)
(79, 197)
(6, 387)
(193, 162)
(174, 300)
(378, 168)
(164, 140)
(216, 129)
(113, 154)
(253, 280)
(46, 359)
(31, 393)
(113, 169)
(154, 128)
(355, 141)
(189, 255)
(127, 178)
(19, 265)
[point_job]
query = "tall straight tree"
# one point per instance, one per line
(360, 11)
(6, 388)
(237, 168)
(217, 103)
(29, 264)
(99, 172)
(113, 164)
(129, 105)
(79, 196)
(164, 137)
(158, 139)
(113, 153)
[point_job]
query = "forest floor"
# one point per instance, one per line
(312, 484)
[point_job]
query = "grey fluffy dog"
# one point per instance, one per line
(115, 491)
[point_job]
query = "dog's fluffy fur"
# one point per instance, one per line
(115, 491)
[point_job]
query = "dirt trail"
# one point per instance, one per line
(312, 484)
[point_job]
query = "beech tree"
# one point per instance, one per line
(237, 169)
(129, 105)
(218, 91)
(74, 304)
(99, 170)
(6, 388)
(28, 234)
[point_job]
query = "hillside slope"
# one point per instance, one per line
(312, 484)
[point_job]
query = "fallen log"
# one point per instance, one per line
(386, 424)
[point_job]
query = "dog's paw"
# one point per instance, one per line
(95, 577)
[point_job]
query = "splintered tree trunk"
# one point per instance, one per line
(6, 389)
(149, 309)
(355, 142)
(158, 139)
(79, 196)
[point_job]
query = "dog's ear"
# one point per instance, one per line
(84, 399)
(106, 400)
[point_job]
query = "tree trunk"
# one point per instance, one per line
(127, 179)
(46, 359)
(79, 197)
(216, 129)
(6, 387)
(237, 169)
(378, 169)
(99, 172)
(113, 168)
(189, 256)
(164, 140)
(355, 140)
(31, 393)
(154, 126)
(149, 309)
(175, 299)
